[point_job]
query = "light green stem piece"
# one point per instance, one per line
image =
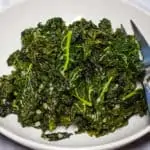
(67, 50)
(104, 90)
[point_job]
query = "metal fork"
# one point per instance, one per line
(123, 30)
(145, 51)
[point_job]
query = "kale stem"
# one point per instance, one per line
(85, 102)
(67, 50)
(131, 94)
(29, 69)
(104, 90)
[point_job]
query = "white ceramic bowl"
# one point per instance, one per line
(28, 14)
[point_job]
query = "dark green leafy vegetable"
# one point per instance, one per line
(56, 136)
(82, 74)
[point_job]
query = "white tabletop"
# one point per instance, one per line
(141, 144)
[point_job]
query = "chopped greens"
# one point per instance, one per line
(82, 74)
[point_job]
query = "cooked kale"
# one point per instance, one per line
(82, 74)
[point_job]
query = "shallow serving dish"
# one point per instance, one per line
(28, 14)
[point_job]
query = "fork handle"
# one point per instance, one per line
(147, 95)
(146, 56)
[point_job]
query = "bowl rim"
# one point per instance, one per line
(33, 144)
(41, 146)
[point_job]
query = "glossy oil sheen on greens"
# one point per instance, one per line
(82, 74)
